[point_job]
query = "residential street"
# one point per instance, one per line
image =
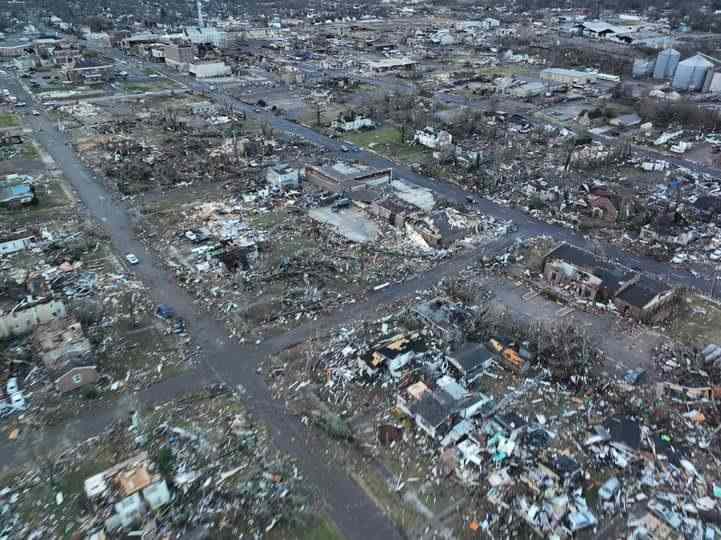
(527, 226)
(234, 364)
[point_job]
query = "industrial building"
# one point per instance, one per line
(691, 74)
(643, 67)
(666, 63)
(208, 70)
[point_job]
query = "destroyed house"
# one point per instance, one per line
(66, 353)
(341, 177)
(432, 413)
(390, 210)
(567, 265)
(645, 299)
(57, 342)
(470, 363)
(637, 296)
(441, 314)
(393, 354)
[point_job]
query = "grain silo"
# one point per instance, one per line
(666, 63)
(691, 73)
(643, 67)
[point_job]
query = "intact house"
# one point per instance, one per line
(430, 138)
(66, 353)
(282, 175)
(587, 277)
(352, 122)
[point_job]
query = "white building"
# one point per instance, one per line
(354, 124)
(443, 37)
(567, 76)
(203, 107)
(490, 23)
(282, 175)
(208, 70)
(430, 138)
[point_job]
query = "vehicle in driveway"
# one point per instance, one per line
(132, 259)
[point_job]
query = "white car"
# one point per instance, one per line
(12, 385)
(36, 113)
(132, 259)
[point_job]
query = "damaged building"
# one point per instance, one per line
(590, 279)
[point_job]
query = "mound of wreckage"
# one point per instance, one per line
(156, 479)
(544, 443)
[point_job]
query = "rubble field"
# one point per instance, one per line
(462, 418)
(193, 466)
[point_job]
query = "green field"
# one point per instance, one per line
(387, 141)
(8, 120)
(154, 86)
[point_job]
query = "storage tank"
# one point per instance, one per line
(643, 67)
(691, 73)
(666, 63)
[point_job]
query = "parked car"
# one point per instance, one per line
(12, 386)
(164, 311)
(132, 259)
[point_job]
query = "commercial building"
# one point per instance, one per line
(90, 71)
(13, 49)
(341, 177)
(207, 70)
(179, 56)
(567, 76)
(391, 64)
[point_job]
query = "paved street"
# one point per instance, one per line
(527, 226)
(351, 509)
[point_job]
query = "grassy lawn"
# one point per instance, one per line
(154, 86)
(387, 141)
(8, 120)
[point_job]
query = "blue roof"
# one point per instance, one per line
(15, 192)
